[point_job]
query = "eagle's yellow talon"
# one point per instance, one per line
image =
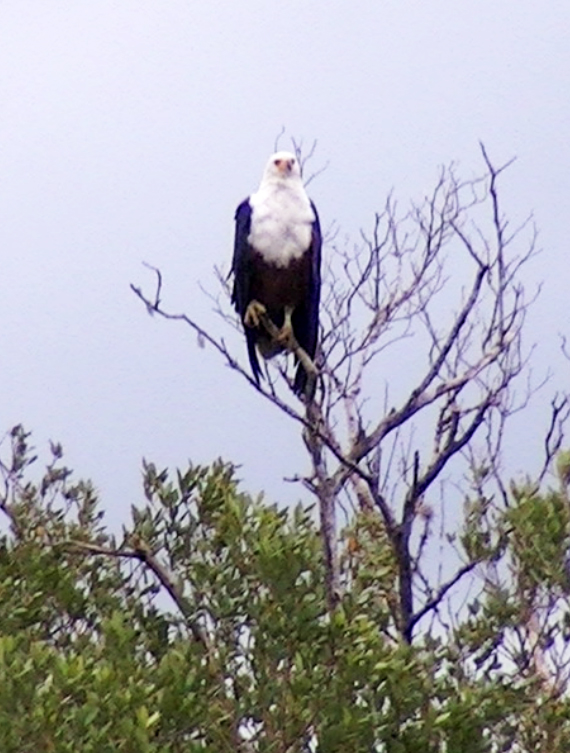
(253, 314)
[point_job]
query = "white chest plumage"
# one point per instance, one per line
(281, 223)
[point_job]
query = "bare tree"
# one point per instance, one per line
(421, 345)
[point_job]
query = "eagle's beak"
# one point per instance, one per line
(284, 166)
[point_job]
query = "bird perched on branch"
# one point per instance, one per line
(276, 267)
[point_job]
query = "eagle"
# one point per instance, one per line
(277, 266)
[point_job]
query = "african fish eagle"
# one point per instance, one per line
(276, 265)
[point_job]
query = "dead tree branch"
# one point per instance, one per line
(461, 322)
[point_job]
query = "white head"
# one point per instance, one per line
(281, 212)
(282, 167)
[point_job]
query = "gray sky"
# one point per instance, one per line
(130, 130)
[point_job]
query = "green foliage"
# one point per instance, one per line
(563, 467)
(206, 627)
(540, 525)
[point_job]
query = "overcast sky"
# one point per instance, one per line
(130, 130)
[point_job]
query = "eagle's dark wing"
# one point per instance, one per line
(241, 268)
(306, 318)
